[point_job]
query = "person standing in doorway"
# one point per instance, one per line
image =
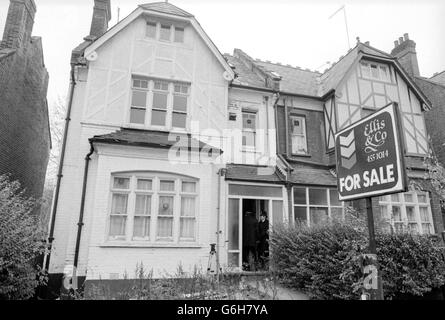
(250, 237)
(263, 239)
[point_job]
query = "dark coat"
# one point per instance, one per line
(263, 228)
(250, 231)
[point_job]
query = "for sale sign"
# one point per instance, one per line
(370, 157)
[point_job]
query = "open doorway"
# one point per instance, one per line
(255, 234)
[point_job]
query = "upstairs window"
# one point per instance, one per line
(298, 135)
(165, 32)
(249, 129)
(375, 71)
(159, 103)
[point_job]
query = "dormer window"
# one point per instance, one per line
(375, 71)
(165, 32)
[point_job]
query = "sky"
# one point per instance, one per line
(299, 33)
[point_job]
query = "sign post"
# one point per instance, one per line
(370, 163)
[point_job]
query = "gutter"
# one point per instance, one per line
(60, 171)
(82, 206)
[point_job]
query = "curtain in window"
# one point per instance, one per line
(165, 218)
(187, 229)
(117, 226)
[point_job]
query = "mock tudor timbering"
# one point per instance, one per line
(156, 77)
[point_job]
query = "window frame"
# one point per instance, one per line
(173, 26)
(308, 205)
(155, 193)
(402, 203)
(379, 66)
(150, 91)
(302, 117)
(253, 131)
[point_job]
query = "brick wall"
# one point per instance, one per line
(24, 126)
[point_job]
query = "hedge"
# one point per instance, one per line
(325, 261)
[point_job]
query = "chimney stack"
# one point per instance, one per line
(405, 52)
(19, 23)
(101, 17)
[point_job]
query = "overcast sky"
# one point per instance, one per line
(299, 33)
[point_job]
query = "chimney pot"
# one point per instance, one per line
(401, 40)
(396, 43)
(406, 36)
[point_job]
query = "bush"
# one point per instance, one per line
(20, 243)
(324, 261)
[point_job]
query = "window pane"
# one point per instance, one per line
(165, 206)
(143, 205)
(333, 196)
(187, 207)
(413, 227)
(139, 99)
(409, 197)
(396, 214)
(179, 120)
(424, 216)
(297, 125)
(187, 229)
(410, 213)
(121, 183)
(165, 32)
(249, 138)
(384, 216)
(365, 71)
(318, 216)
(337, 214)
(137, 116)
(158, 118)
(119, 204)
(426, 228)
(300, 214)
(299, 144)
(189, 187)
(374, 71)
(299, 195)
(167, 185)
(165, 227)
(145, 184)
(233, 224)
(151, 30)
(395, 197)
(117, 226)
(383, 198)
(421, 198)
(141, 227)
(180, 103)
(179, 34)
(398, 227)
(137, 83)
(159, 100)
(318, 196)
(249, 121)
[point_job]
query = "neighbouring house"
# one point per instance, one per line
(170, 144)
(24, 125)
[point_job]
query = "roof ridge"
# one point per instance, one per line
(145, 5)
(430, 81)
(437, 74)
(289, 66)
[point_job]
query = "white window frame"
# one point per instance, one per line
(155, 193)
(308, 205)
(248, 130)
(402, 203)
(149, 108)
(172, 28)
(304, 134)
(380, 67)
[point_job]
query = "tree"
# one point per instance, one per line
(21, 242)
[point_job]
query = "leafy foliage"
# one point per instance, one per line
(324, 261)
(20, 242)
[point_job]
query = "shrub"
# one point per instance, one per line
(20, 242)
(324, 261)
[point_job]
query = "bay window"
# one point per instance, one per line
(407, 212)
(153, 208)
(158, 103)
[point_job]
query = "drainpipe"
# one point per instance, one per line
(275, 108)
(82, 205)
(221, 173)
(60, 170)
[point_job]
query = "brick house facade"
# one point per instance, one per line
(24, 125)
